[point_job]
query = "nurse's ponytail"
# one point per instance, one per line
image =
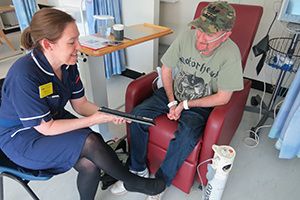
(27, 41)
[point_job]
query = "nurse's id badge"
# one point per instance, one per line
(46, 90)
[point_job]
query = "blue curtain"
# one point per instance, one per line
(286, 126)
(114, 62)
(24, 11)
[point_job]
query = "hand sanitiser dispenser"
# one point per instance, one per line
(221, 166)
(104, 24)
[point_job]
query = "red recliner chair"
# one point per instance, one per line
(223, 121)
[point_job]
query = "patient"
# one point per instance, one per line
(209, 71)
(36, 132)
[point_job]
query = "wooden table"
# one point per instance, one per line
(93, 71)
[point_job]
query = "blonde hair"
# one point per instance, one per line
(48, 23)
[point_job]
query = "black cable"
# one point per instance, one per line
(272, 23)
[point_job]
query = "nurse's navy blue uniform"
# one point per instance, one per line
(23, 107)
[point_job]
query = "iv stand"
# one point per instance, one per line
(290, 53)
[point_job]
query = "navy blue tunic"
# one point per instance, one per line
(23, 106)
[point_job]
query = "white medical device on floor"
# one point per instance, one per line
(222, 164)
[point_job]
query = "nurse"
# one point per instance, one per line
(36, 132)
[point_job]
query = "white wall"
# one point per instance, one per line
(142, 57)
(177, 15)
(44, 2)
(6, 2)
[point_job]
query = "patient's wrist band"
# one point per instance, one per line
(185, 105)
(172, 103)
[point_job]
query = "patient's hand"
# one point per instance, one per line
(172, 115)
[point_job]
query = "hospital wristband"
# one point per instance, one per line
(172, 103)
(185, 105)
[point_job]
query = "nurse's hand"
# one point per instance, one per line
(119, 120)
(104, 118)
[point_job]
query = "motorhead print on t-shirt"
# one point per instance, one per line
(190, 86)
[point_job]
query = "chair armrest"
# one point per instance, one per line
(222, 125)
(138, 91)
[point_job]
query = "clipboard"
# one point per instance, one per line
(135, 118)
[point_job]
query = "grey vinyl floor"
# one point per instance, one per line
(257, 173)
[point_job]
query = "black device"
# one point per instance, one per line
(135, 118)
(113, 43)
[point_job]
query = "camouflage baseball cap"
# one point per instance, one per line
(217, 16)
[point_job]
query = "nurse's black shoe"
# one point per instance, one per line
(148, 186)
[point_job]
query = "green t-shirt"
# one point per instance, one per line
(201, 75)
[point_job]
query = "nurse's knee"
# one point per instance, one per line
(93, 140)
(83, 165)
